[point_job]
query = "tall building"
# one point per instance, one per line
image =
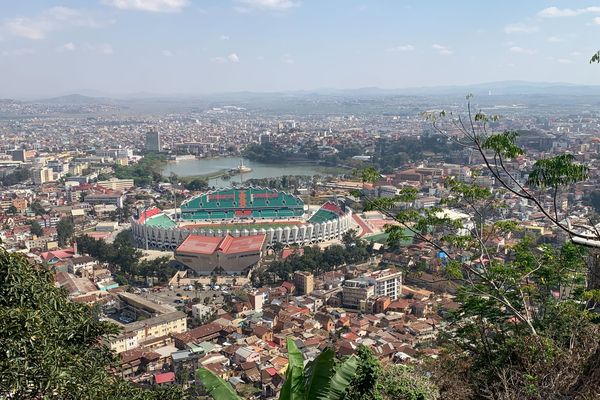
(153, 142)
(42, 175)
(388, 282)
(304, 282)
(357, 292)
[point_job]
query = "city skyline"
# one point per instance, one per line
(204, 46)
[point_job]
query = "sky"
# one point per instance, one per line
(170, 47)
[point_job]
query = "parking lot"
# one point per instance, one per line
(178, 296)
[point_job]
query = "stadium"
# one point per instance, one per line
(239, 213)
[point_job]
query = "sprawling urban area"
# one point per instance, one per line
(219, 267)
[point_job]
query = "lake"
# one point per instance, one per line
(208, 166)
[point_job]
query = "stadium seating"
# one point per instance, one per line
(322, 216)
(242, 203)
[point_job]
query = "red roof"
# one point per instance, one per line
(228, 244)
(165, 378)
(242, 244)
(200, 244)
(271, 371)
(60, 254)
(289, 251)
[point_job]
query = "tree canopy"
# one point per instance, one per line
(50, 346)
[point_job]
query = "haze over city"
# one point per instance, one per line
(110, 47)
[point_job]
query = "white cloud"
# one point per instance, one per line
(167, 53)
(18, 52)
(66, 47)
(159, 6)
(223, 37)
(596, 20)
(521, 28)
(232, 58)
(575, 54)
(442, 50)
(287, 59)
(52, 19)
(563, 61)
(555, 39)
(403, 47)
(555, 12)
(273, 5)
(521, 50)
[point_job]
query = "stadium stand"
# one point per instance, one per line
(242, 203)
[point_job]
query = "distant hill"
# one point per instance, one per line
(76, 99)
(503, 88)
(488, 88)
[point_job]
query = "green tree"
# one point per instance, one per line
(36, 228)
(365, 385)
(349, 238)
(50, 346)
(196, 184)
(523, 315)
(37, 208)
(401, 382)
(64, 230)
(278, 248)
(12, 209)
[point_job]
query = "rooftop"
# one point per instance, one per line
(229, 244)
(200, 244)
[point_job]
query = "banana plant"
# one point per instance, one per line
(320, 379)
(216, 386)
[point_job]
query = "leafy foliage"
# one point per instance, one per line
(216, 386)
(365, 385)
(19, 175)
(145, 172)
(401, 382)
(557, 171)
(36, 228)
(321, 379)
(316, 261)
(64, 229)
(50, 346)
(196, 184)
(37, 208)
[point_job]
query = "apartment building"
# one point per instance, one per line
(304, 282)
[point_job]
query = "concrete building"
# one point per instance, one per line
(153, 141)
(138, 332)
(304, 281)
(356, 293)
(200, 310)
(42, 175)
(117, 184)
(108, 198)
(388, 282)
(223, 255)
(256, 300)
(360, 292)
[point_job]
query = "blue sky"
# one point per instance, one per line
(52, 47)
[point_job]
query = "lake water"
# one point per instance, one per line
(259, 170)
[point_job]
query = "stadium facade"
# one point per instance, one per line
(280, 216)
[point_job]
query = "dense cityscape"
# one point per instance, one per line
(399, 244)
